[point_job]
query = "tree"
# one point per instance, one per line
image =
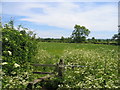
(93, 40)
(11, 23)
(0, 23)
(0, 33)
(80, 33)
(115, 37)
(19, 26)
(62, 39)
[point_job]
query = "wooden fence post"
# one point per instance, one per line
(30, 86)
(60, 68)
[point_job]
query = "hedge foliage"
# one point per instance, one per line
(18, 49)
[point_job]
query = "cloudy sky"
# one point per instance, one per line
(56, 19)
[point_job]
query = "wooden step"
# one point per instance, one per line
(43, 72)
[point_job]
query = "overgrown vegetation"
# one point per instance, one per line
(21, 48)
(18, 49)
(101, 61)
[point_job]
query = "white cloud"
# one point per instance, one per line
(66, 15)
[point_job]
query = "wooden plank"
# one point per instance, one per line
(40, 79)
(50, 65)
(30, 84)
(74, 66)
(43, 72)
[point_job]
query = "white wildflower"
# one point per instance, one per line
(20, 34)
(25, 73)
(4, 63)
(16, 65)
(10, 81)
(6, 39)
(13, 72)
(58, 85)
(76, 71)
(10, 53)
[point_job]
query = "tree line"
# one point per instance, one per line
(80, 34)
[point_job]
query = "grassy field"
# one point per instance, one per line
(58, 48)
(102, 62)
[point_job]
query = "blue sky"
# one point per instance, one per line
(56, 19)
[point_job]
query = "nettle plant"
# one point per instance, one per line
(18, 49)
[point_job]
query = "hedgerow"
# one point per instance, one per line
(18, 49)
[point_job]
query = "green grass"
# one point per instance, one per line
(58, 48)
(102, 59)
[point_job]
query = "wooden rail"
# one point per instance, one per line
(50, 65)
(51, 74)
(58, 68)
(43, 72)
(31, 84)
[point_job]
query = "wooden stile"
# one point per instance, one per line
(59, 68)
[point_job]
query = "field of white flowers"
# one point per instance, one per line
(102, 70)
(101, 61)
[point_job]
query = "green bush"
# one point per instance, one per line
(18, 49)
